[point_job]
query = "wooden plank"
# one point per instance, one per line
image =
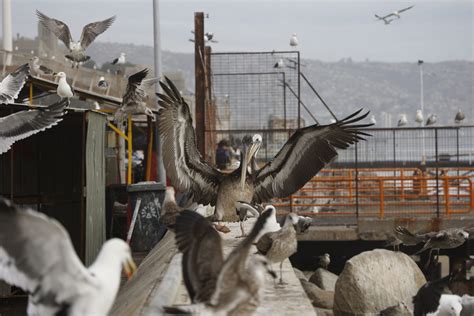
(200, 81)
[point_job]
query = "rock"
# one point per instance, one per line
(318, 297)
(308, 274)
(375, 280)
(324, 279)
(299, 274)
(323, 312)
(401, 309)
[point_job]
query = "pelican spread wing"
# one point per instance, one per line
(306, 152)
(94, 29)
(59, 28)
(23, 124)
(11, 86)
(185, 166)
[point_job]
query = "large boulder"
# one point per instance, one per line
(375, 280)
(324, 279)
(299, 274)
(323, 311)
(318, 297)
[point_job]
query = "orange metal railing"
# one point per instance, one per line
(383, 193)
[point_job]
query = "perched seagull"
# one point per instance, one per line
(119, 60)
(294, 40)
(419, 116)
(209, 37)
(431, 120)
(96, 105)
(386, 19)
(217, 286)
(427, 299)
(402, 121)
(102, 83)
(12, 84)
(37, 255)
(64, 90)
(279, 245)
(324, 261)
(304, 222)
(39, 69)
(77, 50)
(393, 241)
(244, 211)
(373, 120)
(21, 125)
(170, 209)
(459, 117)
(279, 64)
(133, 101)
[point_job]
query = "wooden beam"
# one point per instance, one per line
(200, 81)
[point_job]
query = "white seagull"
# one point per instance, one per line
(294, 40)
(386, 19)
(373, 120)
(77, 50)
(119, 60)
(402, 121)
(102, 83)
(279, 64)
(37, 69)
(12, 84)
(460, 116)
(419, 116)
(21, 125)
(64, 90)
(37, 255)
(431, 119)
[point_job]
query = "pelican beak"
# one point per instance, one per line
(129, 267)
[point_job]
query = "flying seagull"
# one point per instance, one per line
(77, 50)
(396, 14)
(279, 245)
(119, 60)
(307, 151)
(431, 120)
(37, 68)
(460, 116)
(402, 121)
(37, 255)
(64, 90)
(294, 40)
(217, 286)
(133, 101)
(12, 84)
(102, 83)
(445, 239)
(427, 299)
(21, 125)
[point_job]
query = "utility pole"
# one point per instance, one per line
(161, 172)
(422, 124)
(7, 31)
(200, 81)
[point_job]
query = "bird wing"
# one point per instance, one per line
(59, 28)
(23, 124)
(46, 70)
(12, 84)
(148, 83)
(201, 246)
(37, 255)
(94, 29)
(265, 243)
(134, 92)
(405, 9)
(427, 298)
(307, 151)
(184, 164)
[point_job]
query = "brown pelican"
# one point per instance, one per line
(12, 84)
(279, 245)
(21, 125)
(37, 255)
(215, 285)
(77, 49)
(307, 151)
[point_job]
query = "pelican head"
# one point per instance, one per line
(251, 147)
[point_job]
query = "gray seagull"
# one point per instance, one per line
(77, 50)
(12, 84)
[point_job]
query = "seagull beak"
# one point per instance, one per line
(129, 267)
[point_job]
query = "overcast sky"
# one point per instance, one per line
(327, 30)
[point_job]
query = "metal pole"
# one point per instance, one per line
(357, 180)
(423, 158)
(437, 173)
(7, 31)
(319, 97)
(161, 172)
(299, 93)
(284, 100)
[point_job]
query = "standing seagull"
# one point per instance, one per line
(324, 261)
(119, 60)
(133, 101)
(279, 245)
(21, 125)
(279, 64)
(431, 120)
(294, 40)
(402, 121)
(419, 116)
(12, 84)
(460, 116)
(102, 83)
(218, 287)
(307, 151)
(37, 255)
(77, 50)
(64, 90)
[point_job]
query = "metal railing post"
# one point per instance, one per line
(381, 197)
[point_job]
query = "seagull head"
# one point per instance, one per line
(61, 75)
(119, 249)
(101, 78)
(122, 54)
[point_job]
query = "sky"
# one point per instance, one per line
(327, 30)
